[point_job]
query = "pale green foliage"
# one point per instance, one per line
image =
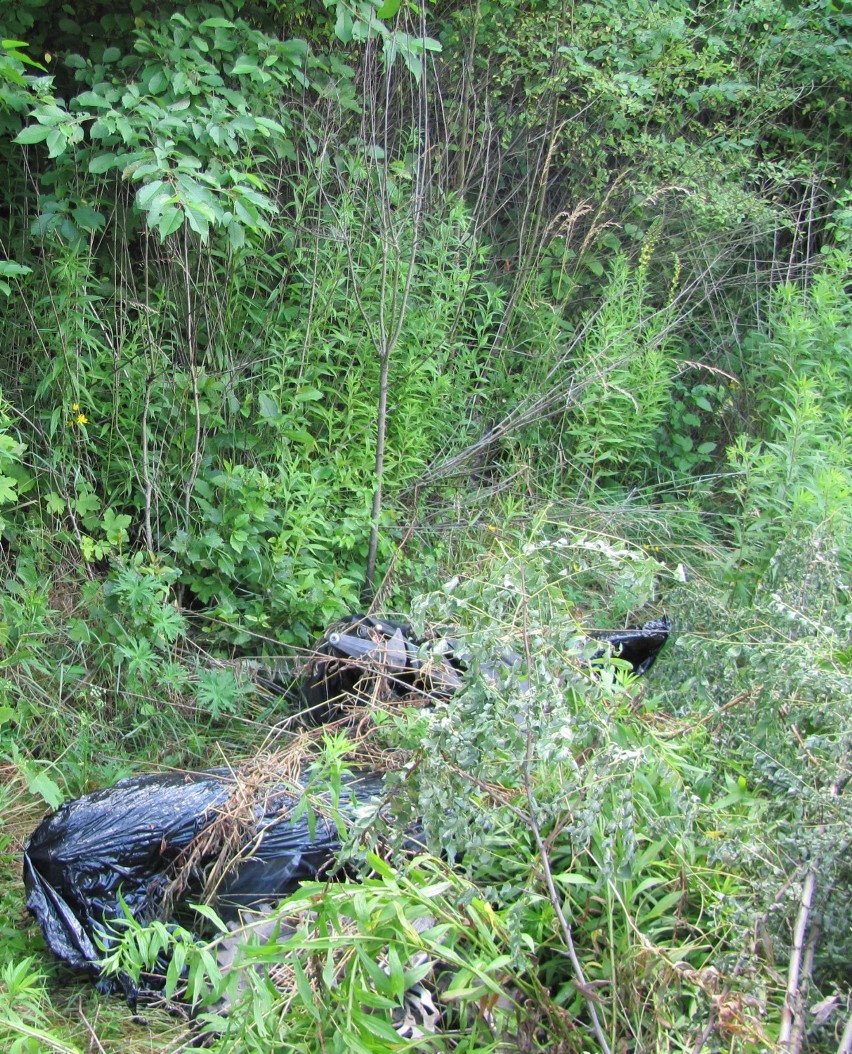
(24, 1023)
(627, 353)
(597, 235)
(795, 478)
(172, 120)
(12, 473)
(773, 678)
(624, 812)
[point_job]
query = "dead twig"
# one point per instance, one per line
(792, 1033)
(94, 1043)
(846, 1039)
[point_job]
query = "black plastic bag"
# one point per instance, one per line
(639, 646)
(134, 846)
(124, 847)
(362, 657)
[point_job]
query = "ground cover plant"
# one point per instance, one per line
(512, 318)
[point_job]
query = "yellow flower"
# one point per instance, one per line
(82, 419)
(75, 406)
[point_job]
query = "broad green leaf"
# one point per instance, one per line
(573, 879)
(236, 235)
(41, 784)
(87, 218)
(10, 269)
(78, 631)
(146, 194)
(198, 221)
(68, 230)
(13, 75)
(115, 526)
(103, 163)
(299, 435)
(90, 98)
(295, 48)
(244, 65)
(55, 503)
(388, 9)
(248, 215)
(7, 490)
(343, 25)
(33, 133)
(157, 82)
(86, 502)
(170, 221)
(267, 405)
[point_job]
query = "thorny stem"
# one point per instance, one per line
(792, 1010)
(389, 334)
(808, 951)
(381, 593)
(193, 373)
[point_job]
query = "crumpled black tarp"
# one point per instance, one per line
(121, 848)
(364, 655)
(639, 645)
(126, 843)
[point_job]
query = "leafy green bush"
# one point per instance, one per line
(331, 966)
(547, 768)
(794, 483)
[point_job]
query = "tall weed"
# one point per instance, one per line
(794, 485)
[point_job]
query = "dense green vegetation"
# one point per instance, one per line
(514, 315)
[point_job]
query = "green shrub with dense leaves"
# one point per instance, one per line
(515, 317)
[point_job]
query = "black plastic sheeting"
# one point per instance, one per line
(639, 646)
(124, 845)
(121, 849)
(363, 656)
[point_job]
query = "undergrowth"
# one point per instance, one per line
(545, 330)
